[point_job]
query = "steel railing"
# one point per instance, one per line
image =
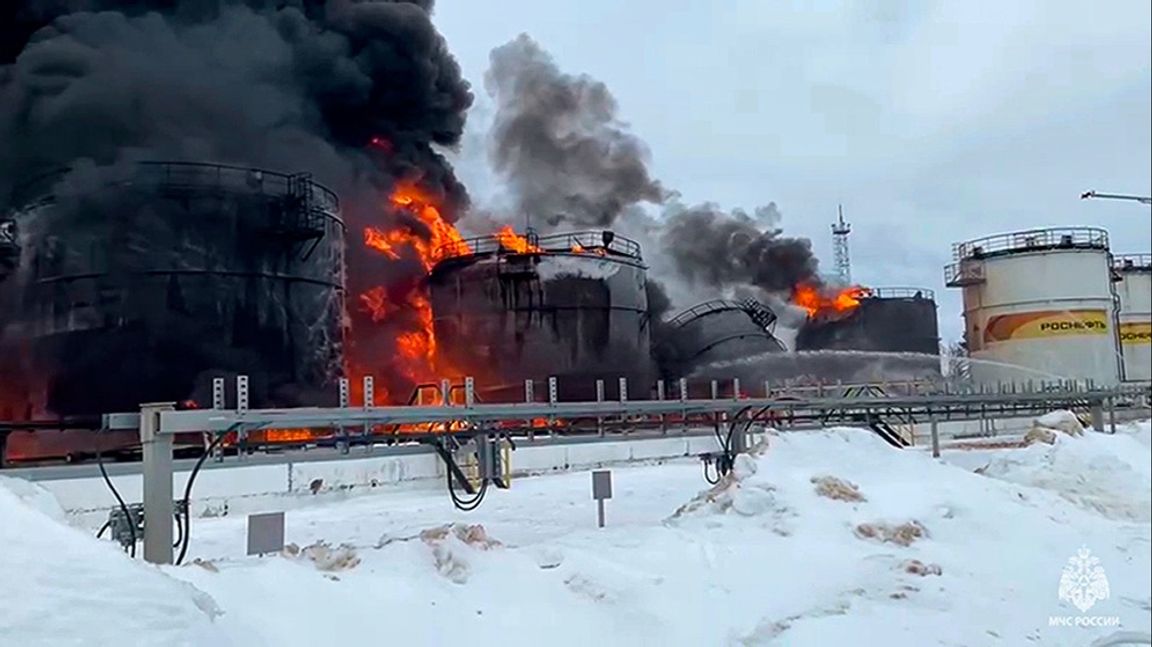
(1132, 262)
(578, 242)
(900, 293)
(187, 176)
(1056, 237)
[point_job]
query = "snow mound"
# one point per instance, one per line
(791, 573)
(831, 487)
(453, 546)
(735, 492)
(324, 556)
(35, 497)
(1108, 474)
(917, 567)
(61, 586)
(903, 534)
(1060, 420)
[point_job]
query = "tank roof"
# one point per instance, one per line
(900, 293)
(170, 175)
(1132, 263)
(1031, 240)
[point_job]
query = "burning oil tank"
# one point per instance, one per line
(1039, 304)
(141, 282)
(508, 309)
(1133, 274)
(716, 331)
(888, 320)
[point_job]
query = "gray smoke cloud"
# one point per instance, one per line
(557, 142)
(719, 249)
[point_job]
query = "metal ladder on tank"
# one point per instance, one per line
(298, 219)
(761, 314)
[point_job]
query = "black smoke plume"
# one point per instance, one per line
(557, 142)
(723, 250)
(570, 163)
(361, 93)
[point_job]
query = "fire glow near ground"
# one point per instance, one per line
(765, 560)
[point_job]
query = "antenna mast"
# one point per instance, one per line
(840, 231)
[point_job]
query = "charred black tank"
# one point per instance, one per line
(508, 308)
(141, 282)
(888, 320)
(716, 331)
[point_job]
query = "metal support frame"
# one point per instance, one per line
(839, 406)
(159, 421)
(157, 483)
(599, 398)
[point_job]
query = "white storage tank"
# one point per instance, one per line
(1134, 286)
(1039, 305)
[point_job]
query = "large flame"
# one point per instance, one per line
(828, 302)
(513, 242)
(408, 307)
(440, 235)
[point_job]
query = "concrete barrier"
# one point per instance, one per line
(236, 486)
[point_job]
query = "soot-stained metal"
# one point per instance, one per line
(888, 320)
(146, 284)
(574, 307)
(715, 331)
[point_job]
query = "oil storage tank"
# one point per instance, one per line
(1133, 274)
(716, 331)
(888, 320)
(1039, 304)
(143, 281)
(509, 308)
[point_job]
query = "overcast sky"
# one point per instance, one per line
(933, 122)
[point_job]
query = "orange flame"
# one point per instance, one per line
(440, 233)
(821, 302)
(287, 435)
(577, 248)
(409, 306)
(513, 242)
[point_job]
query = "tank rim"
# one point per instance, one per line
(602, 243)
(37, 190)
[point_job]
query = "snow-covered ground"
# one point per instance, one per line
(818, 538)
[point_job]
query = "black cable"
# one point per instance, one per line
(711, 480)
(185, 508)
(727, 458)
(116, 493)
(467, 505)
(106, 526)
(179, 528)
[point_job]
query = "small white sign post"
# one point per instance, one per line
(601, 491)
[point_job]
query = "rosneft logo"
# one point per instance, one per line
(1063, 326)
(1047, 323)
(1135, 333)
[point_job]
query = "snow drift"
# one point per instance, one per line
(60, 586)
(817, 538)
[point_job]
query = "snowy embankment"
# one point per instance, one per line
(821, 538)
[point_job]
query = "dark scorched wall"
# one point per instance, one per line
(145, 287)
(518, 316)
